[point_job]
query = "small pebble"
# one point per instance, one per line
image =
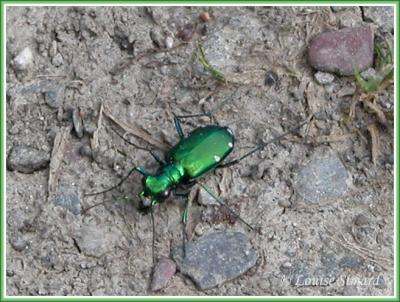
(157, 38)
(339, 51)
(164, 269)
(57, 60)
(360, 220)
(54, 96)
(198, 230)
(10, 273)
(85, 150)
(24, 59)
(284, 203)
(53, 49)
(368, 74)
(26, 159)
(324, 78)
(78, 123)
(382, 16)
(89, 128)
(186, 33)
(205, 16)
(270, 78)
(169, 42)
(18, 244)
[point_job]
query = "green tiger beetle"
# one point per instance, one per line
(202, 150)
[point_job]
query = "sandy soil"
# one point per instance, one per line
(87, 57)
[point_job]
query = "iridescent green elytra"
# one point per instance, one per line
(201, 151)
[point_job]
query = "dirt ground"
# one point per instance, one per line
(134, 63)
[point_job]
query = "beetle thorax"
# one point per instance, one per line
(169, 176)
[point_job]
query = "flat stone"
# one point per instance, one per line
(68, 197)
(93, 241)
(216, 258)
(323, 178)
(339, 51)
(26, 159)
(164, 269)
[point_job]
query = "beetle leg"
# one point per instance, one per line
(153, 154)
(184, 223)
(222, 203)
(153, 248)
(156, 157)
(178, 118)
(117, 185)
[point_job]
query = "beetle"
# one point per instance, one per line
(202, 150)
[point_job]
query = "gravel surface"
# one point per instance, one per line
(76, 73)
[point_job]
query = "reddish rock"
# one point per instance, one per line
(339, 51)
(163, 272)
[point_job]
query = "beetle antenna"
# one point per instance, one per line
(262, 146)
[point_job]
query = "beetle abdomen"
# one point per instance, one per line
(202, 150)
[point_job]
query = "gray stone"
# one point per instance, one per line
(69, 198)
(284, 203)
(86, 150)
(77, 122)
(351, 17)
(57, 60)
(216, 258)
(18, 244)
(54, 97)
(368, 74)
(339, 51)
(350, 262)
(164, 269)
(324, 78)
(323, 178)
(383, 16)
(379, 282)
(270, 78)
(26, 159)
(361, 220)
(92, 241)
(169, 42)
(24, 59)
(158, 38)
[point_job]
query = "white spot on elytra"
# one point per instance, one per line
(217, 158)
(230, 145)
